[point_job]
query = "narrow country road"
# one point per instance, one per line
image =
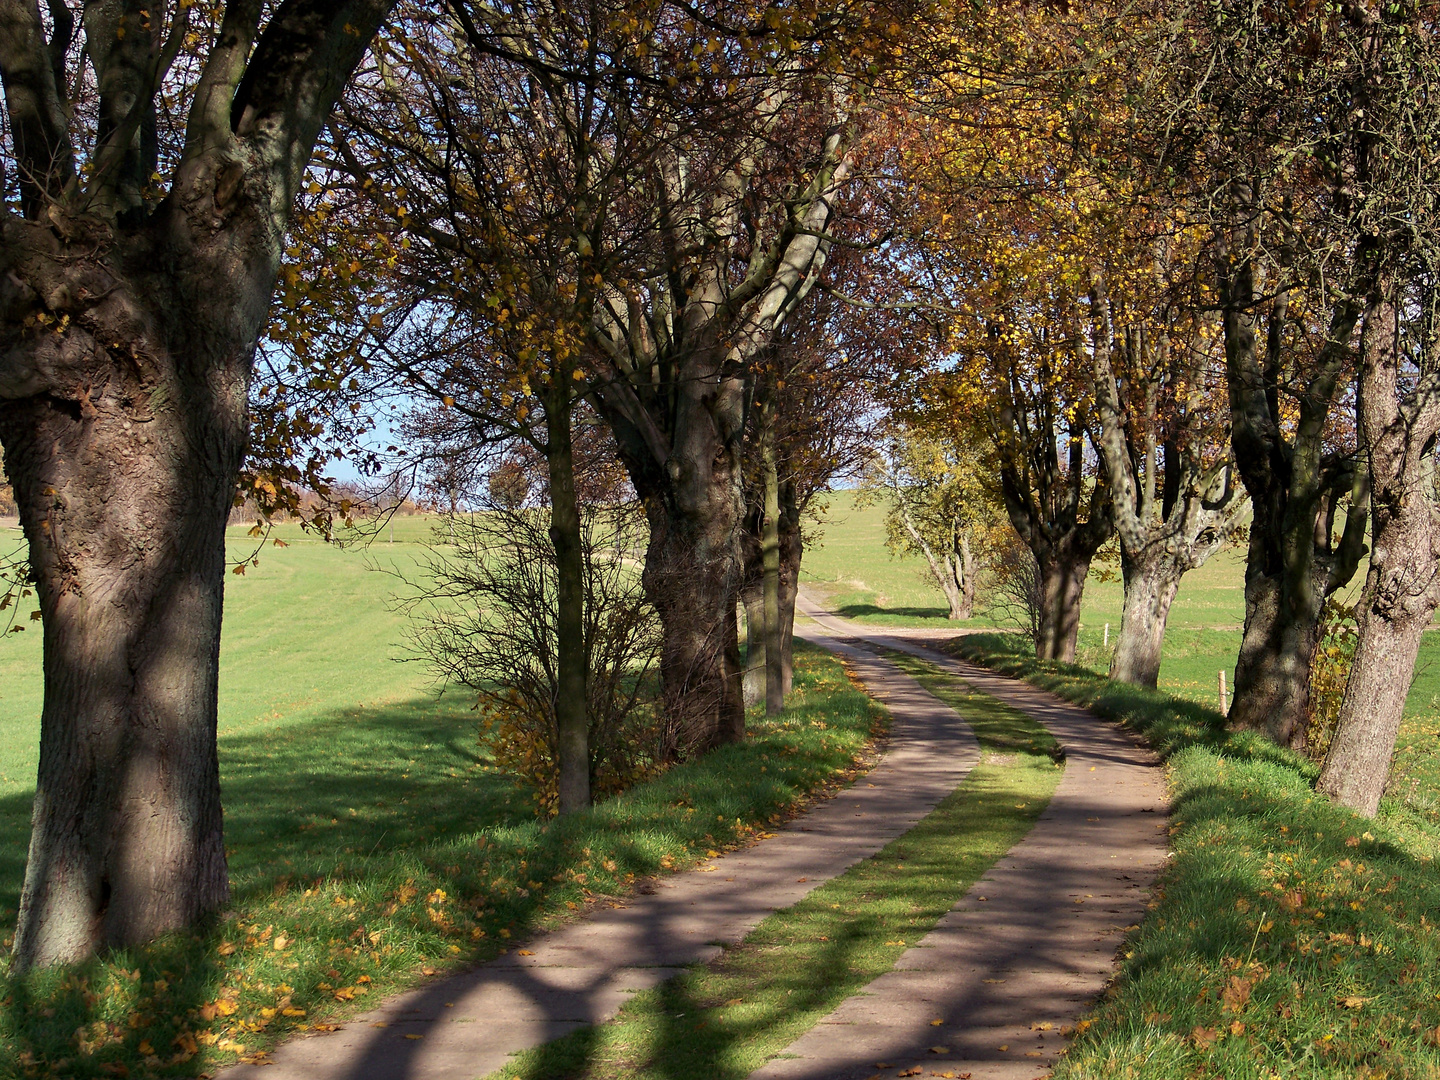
(1017, 960)
(1033, 942)
(467, 1025)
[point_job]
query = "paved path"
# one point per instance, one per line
(469, 1024)
(1033, 942)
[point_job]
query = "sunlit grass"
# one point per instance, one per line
(376, 844)
(1288, 938)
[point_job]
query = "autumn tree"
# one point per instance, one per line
(1383, 70)
(1005, 225)
(151, 162)
(1019, 382)
(482, 147)
(1247, 147)
(944, 507)
(1164, 437)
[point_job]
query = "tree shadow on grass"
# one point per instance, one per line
(367, 827)
(862, 611)
(347, 796)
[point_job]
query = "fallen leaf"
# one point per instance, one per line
(1352, 1002)
(936, 1023)
(1237, 1027)
(414, 1036)
(1236, 994)
(1203, 1037)
(226, 948)
(1002, 1049)
(280, 942)
(939, 1049)
(524, 952)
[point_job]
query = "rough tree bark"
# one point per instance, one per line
(1402, 588)
(770, 567)
(1169, 528)
(1063, 569)
(1295, 486)
(129, 329)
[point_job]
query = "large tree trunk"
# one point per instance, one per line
(572, 713)
(128, 325)
(1272, 671)
(1295, 487)
(1150, 588)
(1357, 765)
(1062, 585)
(1402, 588)
(1166, 527)
(124, 489)
(692, 576)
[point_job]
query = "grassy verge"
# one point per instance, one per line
(726, 1019)
(1289, 938)
(374, 850)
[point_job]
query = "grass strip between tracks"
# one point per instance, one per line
(725, 1019)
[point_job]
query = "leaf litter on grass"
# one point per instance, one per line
(1288, 938)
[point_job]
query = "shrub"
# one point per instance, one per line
(486, 619)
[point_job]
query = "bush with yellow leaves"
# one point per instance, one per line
(1329, 672)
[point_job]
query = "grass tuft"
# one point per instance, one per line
(1288, 937)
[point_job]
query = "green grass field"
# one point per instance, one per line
(370, 840)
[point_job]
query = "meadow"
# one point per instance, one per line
(371, 842)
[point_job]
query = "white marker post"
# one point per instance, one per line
(1224, 705)
(1107, 635)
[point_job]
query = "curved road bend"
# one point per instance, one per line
(1026, 950)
